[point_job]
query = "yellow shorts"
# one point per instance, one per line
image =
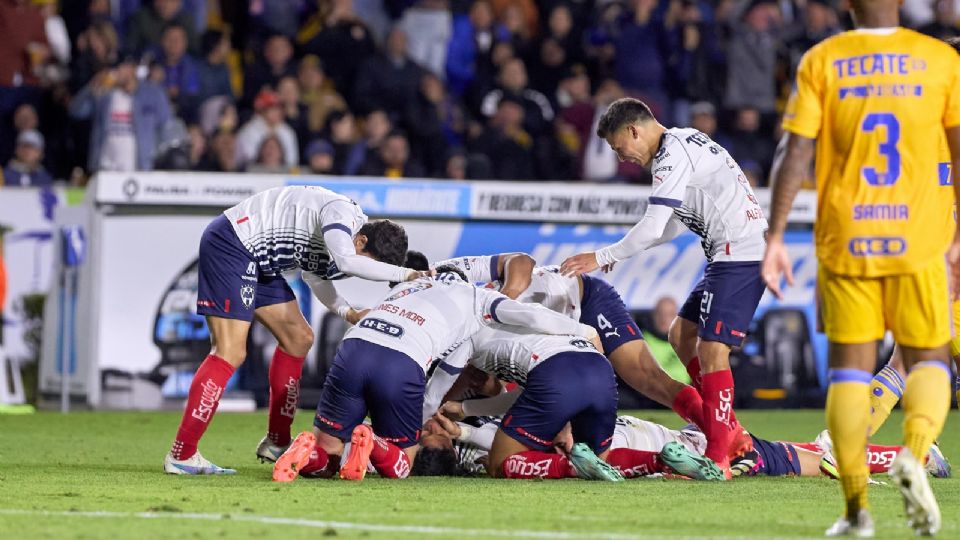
(955, 342)
(916, 307)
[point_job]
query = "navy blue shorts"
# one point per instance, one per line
(724, 301)
(229, 282)
(776, 458)
(575, 387)
(602, 308)
(366, 377)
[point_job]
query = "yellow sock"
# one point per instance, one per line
(848, 419)
(885, 391)
(926, 402)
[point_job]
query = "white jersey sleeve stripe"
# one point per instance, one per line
(493, 308)
(494, 262)
(337, 226)
(666, 201)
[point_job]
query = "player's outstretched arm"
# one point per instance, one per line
(516, 272)
(327, 294)
(344, 253)
(535, 317)
(647, 232)
(791, 165)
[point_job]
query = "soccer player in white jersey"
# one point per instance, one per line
(564, 379)
(243, 254)
(698, 186)
(594, 302)
(380, 368)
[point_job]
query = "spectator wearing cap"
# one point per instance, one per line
(268, 120)
(146, 25)
(277, 62)
(513, 84)
(128, 116)
(317, 93)
(181, 72)
(320, 157)
(471, 45)
(26, 167)
(214, 73)
(389, 80)
(752, 59)
(393, 159)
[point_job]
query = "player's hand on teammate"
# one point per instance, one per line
(452, 410)
(417, 274)
(776, 263)
(584, 263)
(449, 427)
(353, 316)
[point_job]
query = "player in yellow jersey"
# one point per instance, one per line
(874, 104)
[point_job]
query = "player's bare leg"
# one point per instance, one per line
(294, 337)
(683, 338)
(228, 338)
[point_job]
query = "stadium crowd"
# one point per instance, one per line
(486, 89)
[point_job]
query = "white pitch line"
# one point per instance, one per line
(371, 527)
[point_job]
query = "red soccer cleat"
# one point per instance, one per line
(289, 464)
(740, 442)
(361, 444)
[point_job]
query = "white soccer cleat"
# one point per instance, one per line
(267, 451)
(937, 464)
(923, 513)
(824, 441)
(195, 464)
(860, 526)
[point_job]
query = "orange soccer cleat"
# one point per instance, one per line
(361, 444)
(294, 459)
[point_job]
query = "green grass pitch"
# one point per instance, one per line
(98, 475)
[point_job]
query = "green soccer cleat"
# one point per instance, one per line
(591, 467)
(683, 461)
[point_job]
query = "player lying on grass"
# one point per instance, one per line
(594, 302)
(243, 254)
(380, 369)
(698, 186)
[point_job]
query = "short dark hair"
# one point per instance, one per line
(436, 462)
(386, 241)
(450, 269)
(414, 261)
(955, 43)
(622, 112)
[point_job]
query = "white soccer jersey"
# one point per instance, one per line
(547, 286)
(511, 353)
(708, 193)
(284, 228)
(428, 318)
(636, 434)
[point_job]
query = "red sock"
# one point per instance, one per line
(202, 400)
(689, 405)
(285, 372)
(717, 408)
(879, 458)
(693, 370)
(388, 459)
(534, 464)
(319, 459)
(634, 463)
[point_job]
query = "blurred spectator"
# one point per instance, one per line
(601, 39)
(317, 93)
(432, 119)
(944, 24)
(513, 84)
(555, 53)
(277, 63)
(471, 44)
(818, 23)
(427, 26)
(320, 157)
(181, 72)
(376, 127)
(127, 118)
(222, 155)
(348, 149)
(488, 72)
(751, 59)
(198, 146)
(218, 114)
(664, 312)
(26, 168)
(703, 117)
(332, 31)
(270, 157)
(173, 152)
(699, 65)
(97, 49)
(747, 143)
(214, 73)
(511, 15)
(56, 31)
(294, 111)
(641, 55)
(25, 118)
(389, 80)
(146, 25)
(269, 17)
(268, 120)
(505, 143)
(456, 166)
(393, 159)
(23, 49)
